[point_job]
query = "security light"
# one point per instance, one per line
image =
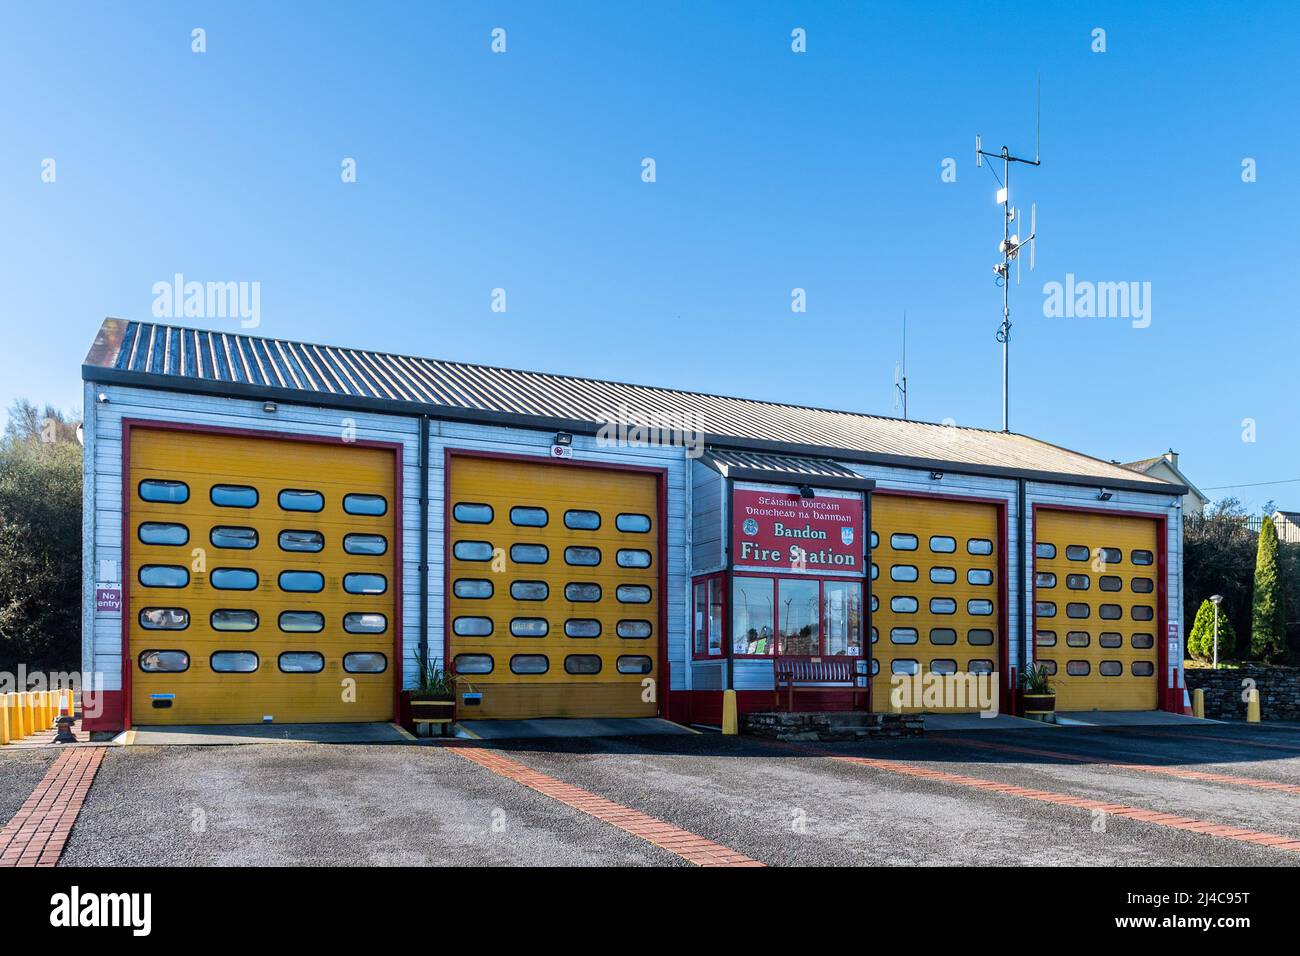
(1104, 495)
(270, 408)
(805, 491)
(563, 438)
(936, 476)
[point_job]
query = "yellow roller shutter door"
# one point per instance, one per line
(937, 592)
(1096, 588)
(260, 579)
(553, 588)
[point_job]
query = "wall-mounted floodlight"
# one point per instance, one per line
(805, 491)
(270, 408)
(564, 438)
(1104, 494)
(936, 476)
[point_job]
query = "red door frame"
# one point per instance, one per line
(661, 475)
(721, 578)
(1007, 692)
(1164, 695)
(131, 424)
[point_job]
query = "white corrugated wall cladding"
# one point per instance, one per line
(101, 643)
(102, 653)
(695, 492)
(708, 529)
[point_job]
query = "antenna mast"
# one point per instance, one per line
(900, 374)
(1011, 244)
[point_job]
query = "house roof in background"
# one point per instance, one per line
(1147, 464)
(227, 363)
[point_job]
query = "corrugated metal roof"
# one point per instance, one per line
(728, 461)
(234, 364)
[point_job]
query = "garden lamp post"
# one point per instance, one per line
(1217, 599)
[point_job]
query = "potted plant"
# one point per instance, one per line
(1039, 697)
(434, 696)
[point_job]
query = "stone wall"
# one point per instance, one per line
(831, 725)
(1279, 691)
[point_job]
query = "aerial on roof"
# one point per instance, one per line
(225, 363)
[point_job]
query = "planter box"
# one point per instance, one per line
(432, 709)
(1038, 706)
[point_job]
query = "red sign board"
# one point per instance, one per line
(108, 599)
(783, 531)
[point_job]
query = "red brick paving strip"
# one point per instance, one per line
(689, 846)
(1207, 776)
(38, 831)
(1273, 840)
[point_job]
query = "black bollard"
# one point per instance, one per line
(65, 734)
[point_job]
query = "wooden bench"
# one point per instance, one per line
(814, 673)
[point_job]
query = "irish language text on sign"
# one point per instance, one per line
(784, 531)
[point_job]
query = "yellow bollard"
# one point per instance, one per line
(4, 719)
(1198, 703)
(33, 713)
(43, 702)
(729, 721)
(1252, 706)
(15, 708)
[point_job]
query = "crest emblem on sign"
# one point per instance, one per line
(750, 527)
(846, 535)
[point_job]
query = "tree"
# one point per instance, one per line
(1288, 559)
(1268, 616)
(40, 541)
(1200, 643)
(1219, 558)
(48, 425)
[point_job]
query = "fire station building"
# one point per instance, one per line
(273, 530)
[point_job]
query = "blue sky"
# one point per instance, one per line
(775, 171)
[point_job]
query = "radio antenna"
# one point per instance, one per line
(900, 374)
(1012, 243)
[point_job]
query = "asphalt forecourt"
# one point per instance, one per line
(331, 806)
(1092, 798)
(937, 802)
(1159, 815)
